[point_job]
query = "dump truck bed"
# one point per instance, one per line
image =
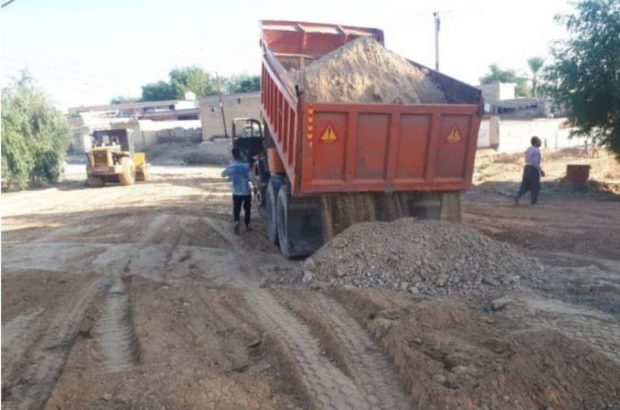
(343, 147)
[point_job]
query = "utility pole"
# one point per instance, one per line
(219, 93)
(437, 24)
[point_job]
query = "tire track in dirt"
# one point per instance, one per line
(361, 358)
(327, 386)
(48, 357)
(116, 334)
(13, 330)
(599, 330)
(18, 336)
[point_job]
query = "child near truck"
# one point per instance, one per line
(239, 173)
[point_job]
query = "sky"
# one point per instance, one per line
(84, 52)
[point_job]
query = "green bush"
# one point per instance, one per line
(47, 166)
(34, 137)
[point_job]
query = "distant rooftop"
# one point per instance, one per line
(124, 106)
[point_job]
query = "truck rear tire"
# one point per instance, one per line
(275, 182)
(128, 174)
(283, 222)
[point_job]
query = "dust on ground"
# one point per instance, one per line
(365, 71)
(142, 297)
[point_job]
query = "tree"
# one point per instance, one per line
(35, 135)
(584, 75)
(497, 74)
(196, 80)
(242, 83)
(193, 79)
(182, 80)
(535, 64)
(158, 91)
(121, 100)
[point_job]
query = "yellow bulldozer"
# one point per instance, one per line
(112, 159)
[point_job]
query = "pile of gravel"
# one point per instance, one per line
(363, 71)
(419, 256)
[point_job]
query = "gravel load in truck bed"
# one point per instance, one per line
(419, 256)
(363, 71)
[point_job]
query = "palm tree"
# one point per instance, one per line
(535, 64)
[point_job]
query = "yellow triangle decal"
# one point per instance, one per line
(454, 136)
(329, 135)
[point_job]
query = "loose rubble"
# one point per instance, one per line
(418, 256)
(366, 72)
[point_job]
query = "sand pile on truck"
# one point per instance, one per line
(418, 256)
(363, 71)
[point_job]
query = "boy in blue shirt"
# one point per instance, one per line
(239, 173)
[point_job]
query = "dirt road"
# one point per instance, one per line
(141, 297)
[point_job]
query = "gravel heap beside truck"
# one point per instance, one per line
(320, 166)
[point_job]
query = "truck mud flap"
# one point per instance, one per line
(300, 228)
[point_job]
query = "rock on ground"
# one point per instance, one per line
(426, 256)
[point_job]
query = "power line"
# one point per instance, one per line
(6, 3)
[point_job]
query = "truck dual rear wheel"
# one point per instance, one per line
(283, 222)
(273, 188)
(128, 173)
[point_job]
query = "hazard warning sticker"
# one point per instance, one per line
(329, 135)
(454, 136)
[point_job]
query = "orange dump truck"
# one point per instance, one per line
(320, 166)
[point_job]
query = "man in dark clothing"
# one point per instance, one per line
(532, 172)
(239, 172)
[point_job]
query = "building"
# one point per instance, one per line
(148, 123)
(497, 91)
(217, 113)
(509, 122)
(162, 110)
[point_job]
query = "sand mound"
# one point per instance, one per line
(419, 256)
(365, 71)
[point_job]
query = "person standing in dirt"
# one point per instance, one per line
(239, 173)
(531, 172)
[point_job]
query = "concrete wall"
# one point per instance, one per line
(514, 135)
(235, 105)
(494, 92)
(148, 133)
(488, 136)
